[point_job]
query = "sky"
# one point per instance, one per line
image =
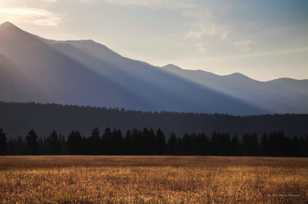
(264, 39)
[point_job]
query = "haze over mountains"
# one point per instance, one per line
(88, 73)
(282, 95)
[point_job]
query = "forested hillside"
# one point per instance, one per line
(18, 118)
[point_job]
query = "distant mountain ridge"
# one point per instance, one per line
(88, 73)
(282, 95)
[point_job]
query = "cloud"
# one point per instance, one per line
(210, 35)
(34, 16)
(207, 30)
(205, 33)
(245, 45)
(200, 22)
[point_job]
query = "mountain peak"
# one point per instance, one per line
(8, 26)
(237, 75)
(172, 67)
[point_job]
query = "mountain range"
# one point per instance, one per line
(282, 95)
(87, 73)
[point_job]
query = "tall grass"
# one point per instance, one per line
(137, 180)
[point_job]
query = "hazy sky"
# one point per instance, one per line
(264, 39)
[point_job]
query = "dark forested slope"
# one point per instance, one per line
(18, 118)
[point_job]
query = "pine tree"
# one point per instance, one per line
(94, 142)
(75, 143)
(32, 142)
(3, 142)
(53, 143)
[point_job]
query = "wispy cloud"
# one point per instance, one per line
(245, 45)
(34, 16)
(201, 25)
(205, 33)
(202, 30)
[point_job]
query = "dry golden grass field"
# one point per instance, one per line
(128, 179)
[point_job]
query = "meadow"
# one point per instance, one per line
(152, 179)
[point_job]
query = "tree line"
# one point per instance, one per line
(153, 142)
(65, 118)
